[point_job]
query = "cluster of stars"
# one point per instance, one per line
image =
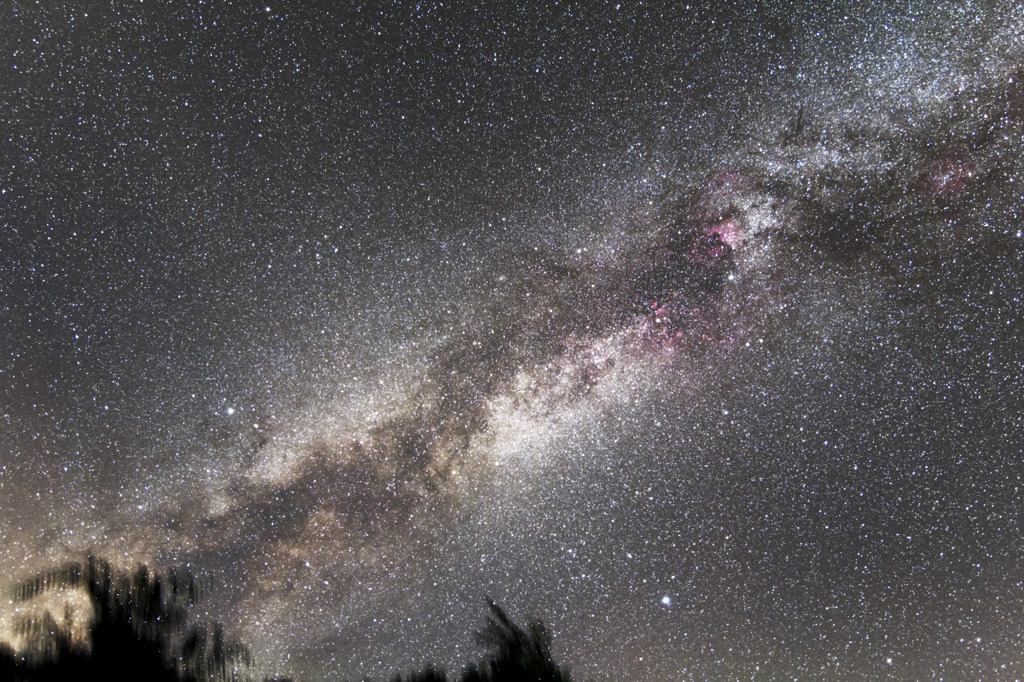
(692, 332)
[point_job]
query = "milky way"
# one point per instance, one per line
(694, 333)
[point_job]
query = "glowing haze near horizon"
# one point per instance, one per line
(693, 332)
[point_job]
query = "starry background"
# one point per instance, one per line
(693, 332)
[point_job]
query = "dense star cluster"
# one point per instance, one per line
(692, 331)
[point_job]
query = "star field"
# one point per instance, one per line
(692, 331)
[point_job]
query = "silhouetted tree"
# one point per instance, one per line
(517, 655)
(138, 629)
(10, 663)
(428, 674)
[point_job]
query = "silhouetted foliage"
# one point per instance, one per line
(428, 674)
(516, 654)
(138, 629)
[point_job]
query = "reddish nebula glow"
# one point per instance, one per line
(728, 232)
(948, 177)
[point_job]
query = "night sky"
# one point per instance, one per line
(693, 331)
